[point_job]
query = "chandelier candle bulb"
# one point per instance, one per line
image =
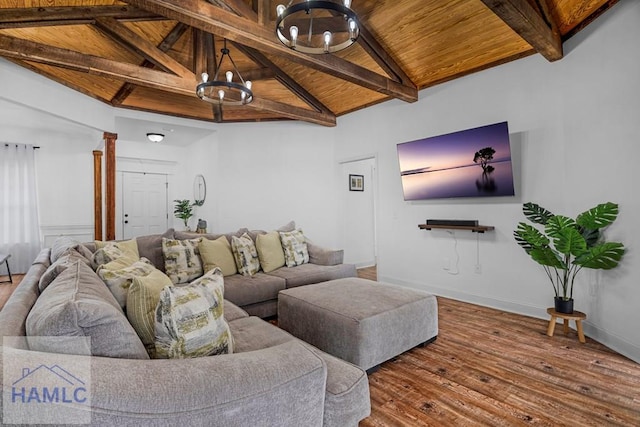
(229, 75)
(205, 77)
(221, 95)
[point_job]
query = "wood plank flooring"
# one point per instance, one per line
(493, 368)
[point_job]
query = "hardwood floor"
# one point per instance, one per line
(6, 289)
(493, 368)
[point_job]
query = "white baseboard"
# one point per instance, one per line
(609, 339)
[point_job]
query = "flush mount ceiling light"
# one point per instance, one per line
(155, 137)
(225, 92)
(317, 27)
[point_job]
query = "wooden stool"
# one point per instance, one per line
(5, 258)
(577, 316)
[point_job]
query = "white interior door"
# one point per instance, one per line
(144, 204)
(359, 214)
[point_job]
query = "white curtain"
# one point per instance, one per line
(19, 228)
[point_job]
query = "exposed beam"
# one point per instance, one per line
(259, 74)
(371, 45)
(73, 15)
(141, 46)
(238, 7)
(31, 51)
(292, 112)
(284, 78)
(264, 14)
(535, 29)
(207, 17)
(166, 44)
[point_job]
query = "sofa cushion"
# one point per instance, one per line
(69, 258)
(311, 273)
(190, 319)
(295, 248)
(217, 253)
(150, 247)
(118, 281)
(64, 243)
(270, 251)
(142, 300)
(107, 254)
(242, 290)
(245, 254)
(182, 259)
(78, 304)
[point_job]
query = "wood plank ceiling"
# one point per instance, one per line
(146, 54)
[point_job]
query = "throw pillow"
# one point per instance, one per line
(70, 257)
(118, 281)
(142, 299)
(150, 247)
(295, 248)
(270, 251)
(245, 254)
(190, 319)
(78, 304)
(105, 255)
(182, 259)
(130, 246)
(217, 253)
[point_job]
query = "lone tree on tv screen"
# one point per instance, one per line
(484, 156)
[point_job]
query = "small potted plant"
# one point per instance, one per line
(567, 245)
(184, 211)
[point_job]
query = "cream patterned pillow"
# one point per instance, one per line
(142, 300)
(130, 246)
(217, 253)
(105, 255)
(246, 255)
(270, 251)
(182, 259)
(190, 319)
(118, 281)
(295, 248)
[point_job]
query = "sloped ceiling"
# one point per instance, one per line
(146, 54)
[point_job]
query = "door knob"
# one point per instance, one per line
(126, 222)
(126, 215)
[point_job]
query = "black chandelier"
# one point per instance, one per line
(225, 92)
(317, 26)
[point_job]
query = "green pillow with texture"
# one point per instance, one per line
(182, 259)
(217, 253)
(295, 248)
(270, 251)
(245, 254)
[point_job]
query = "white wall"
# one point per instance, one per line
(574, 127)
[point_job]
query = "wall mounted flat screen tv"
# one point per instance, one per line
(470, 163)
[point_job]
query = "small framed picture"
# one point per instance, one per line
(356, 182)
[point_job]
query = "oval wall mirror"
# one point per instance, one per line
(199, 190)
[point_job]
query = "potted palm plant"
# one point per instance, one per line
(184, 210)
(565, 246)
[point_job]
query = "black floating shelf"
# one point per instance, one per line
(473, 228)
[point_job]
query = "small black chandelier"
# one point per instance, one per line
(317, 27)
(225, 92)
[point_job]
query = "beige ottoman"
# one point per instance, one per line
(360, 321)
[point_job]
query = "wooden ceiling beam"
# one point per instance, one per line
(72, 15)
(207, 17)
(536, 29)
(37, 52)
(166, 44)
(285, 79)
(141, 46)
(238, 7)
(295, 113)
(379, 54)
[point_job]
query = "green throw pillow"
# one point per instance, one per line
(245, 254)
(182, 259)
(295, 248)
(190, 319)
(270, 251)
(217, 253)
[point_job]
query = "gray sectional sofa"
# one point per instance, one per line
(271, 379)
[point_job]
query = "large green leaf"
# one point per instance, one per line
(557, 223)
(598, 217)
(547, 256)
(591, 236)
(536, 213)
(529, 237)
(570, 241)
(604, 256)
